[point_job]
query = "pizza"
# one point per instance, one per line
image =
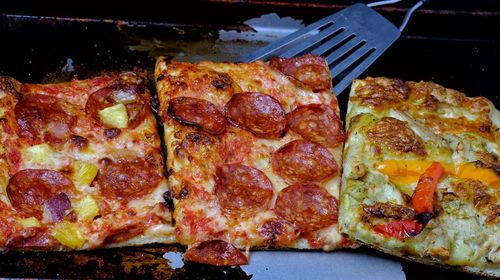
(421, 174)
(253, 155)
(81, 165)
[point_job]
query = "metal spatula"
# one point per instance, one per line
(350, 40)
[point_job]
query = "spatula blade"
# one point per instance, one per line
(350, 40)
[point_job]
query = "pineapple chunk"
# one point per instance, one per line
(86, 209)
(114, 116)
(38, 153)
(28, 222)
(85, 173)
(68, 234)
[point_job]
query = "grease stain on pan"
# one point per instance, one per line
(265, 28)
(194, 50)
(228, 46)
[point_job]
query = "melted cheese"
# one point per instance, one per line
(265, 80)
(458, 132)
(64, 157)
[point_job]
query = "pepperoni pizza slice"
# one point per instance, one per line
(81, 165)
(421, 174)
(254, 155)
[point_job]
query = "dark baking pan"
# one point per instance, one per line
(454, 43)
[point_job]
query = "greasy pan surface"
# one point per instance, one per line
(51, 50)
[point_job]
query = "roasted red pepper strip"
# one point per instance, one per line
(399, 229)
(424, 193)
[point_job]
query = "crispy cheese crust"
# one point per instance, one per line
(396, 129)
(196, 151)
(70, 182)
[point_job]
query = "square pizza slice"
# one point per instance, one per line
(81, 165)
(253, 155)
(421, 174)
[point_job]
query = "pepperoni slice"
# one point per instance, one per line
(215, 252)
(197, 112)
(309, 69)
(44, 118)
(303, 161)
(123, 234)
(242, 189)
(308, 206)
(318, 123)
(258, 113)
(279, 232)
(131, 96)
(37, 238)
(28, 189)
(127, 178)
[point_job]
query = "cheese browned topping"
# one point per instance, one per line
(396, 131)
(239, 180)
(81, 166)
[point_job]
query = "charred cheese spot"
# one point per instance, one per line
(440, 125)
(387, 210)
(79, 141)
(381, 93)
(477, 193)
(190, 80)
(198, 147)
(488, 160)
(278, 232)
(222, 81)
(111, 133)
(431, 103)
(396, 135)
(493, 214)
(10, 86)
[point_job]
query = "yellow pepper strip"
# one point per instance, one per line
(408, 171)
(485, 175)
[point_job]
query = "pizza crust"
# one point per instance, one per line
(47, 130)
(463, 235)
(248, 143)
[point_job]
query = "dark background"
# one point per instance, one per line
(454, 43)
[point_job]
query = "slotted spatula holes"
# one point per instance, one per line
(354, 69)
(350, 41)
(326, 49)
